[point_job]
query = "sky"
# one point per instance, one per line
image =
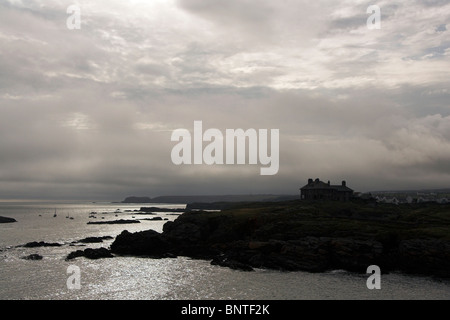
(88, 112)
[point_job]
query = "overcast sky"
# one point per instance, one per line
(88, 113)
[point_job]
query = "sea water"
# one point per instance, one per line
(162, 279)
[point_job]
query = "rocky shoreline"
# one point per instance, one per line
(7, 220)
(296, 236)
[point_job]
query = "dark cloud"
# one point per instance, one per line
(89, 113)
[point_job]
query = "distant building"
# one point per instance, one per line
(319, 190)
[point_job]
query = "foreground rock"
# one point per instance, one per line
(90, 253)
(7, 220)
(143, 243)
(309, 237)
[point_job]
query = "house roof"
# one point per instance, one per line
(316, 185)
(342, 188)
(320, 185)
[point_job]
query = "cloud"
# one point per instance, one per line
(88, 113)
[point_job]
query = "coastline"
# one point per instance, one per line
(305, 236)
(160, 278)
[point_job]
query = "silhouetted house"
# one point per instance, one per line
(319, 190)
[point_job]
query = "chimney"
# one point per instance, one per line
(343, 183)
(328, 182)
(310, 181)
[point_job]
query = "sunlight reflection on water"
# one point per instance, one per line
(177, 278)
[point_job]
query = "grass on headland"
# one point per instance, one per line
(356, 219)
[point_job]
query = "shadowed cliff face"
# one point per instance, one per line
(306, 236)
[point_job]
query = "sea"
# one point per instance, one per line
(136, 278)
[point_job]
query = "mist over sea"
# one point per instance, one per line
(171, 278)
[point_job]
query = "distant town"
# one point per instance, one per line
(441, 196)
(320, 190)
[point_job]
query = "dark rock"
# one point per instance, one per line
(201, 227)
(178, 232)
(425, 256)
(7, 220)
(293, 239)
(152, 219)
(143, 243)
(90, 253)
(354, 255)
(93, 239)
(121, 221)
(33, 256)
(75, 254)
(36, 244)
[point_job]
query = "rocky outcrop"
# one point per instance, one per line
(121, 221)
(212, 238)
(153, 219)
(292, 242)
(143, 243)
(90, 253)
(35, 244)
(7, 220)
(425, 256)
(95, 239)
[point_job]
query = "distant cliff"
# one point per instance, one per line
(209, 198)
(137, 200)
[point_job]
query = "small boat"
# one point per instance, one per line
(54, 215)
